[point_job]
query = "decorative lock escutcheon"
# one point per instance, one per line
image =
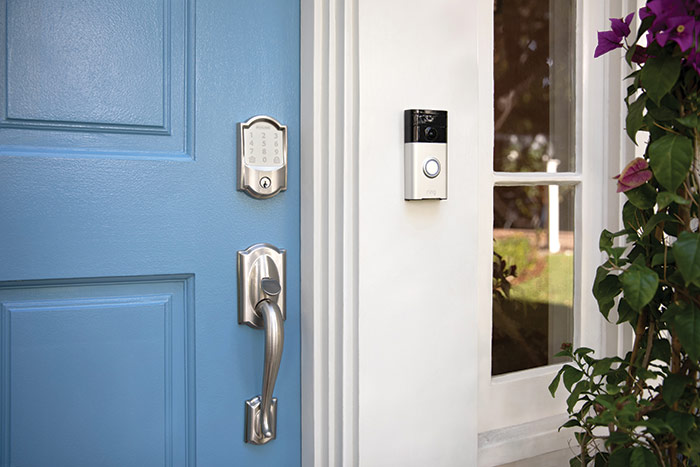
(262, 157)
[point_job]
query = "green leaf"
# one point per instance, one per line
(632, 218)
(660, 258)
(686, 319)
(605, 242)
(571, 376)
(642, 457)
(680, 424)
(617, 376)
(571, 423)
(655, 425)
(620, 458)
(664, 198)
(603, 365)
(608, 288)
(605, 288)
(673, 388)
(686, 250)
(655, 220)
(667, 111)
(691, 121)
(670, 157)
(582, 351)
(635, 117)
(601, 459)
(659, 74)
(639, 284)
(555, 382)
(643, 197)
(661, 350)
(618, 437)
(625, 313)
(575, 394)
(605, 305)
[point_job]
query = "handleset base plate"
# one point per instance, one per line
(256, 263)
(253, 413)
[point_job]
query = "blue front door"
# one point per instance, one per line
(119, 228)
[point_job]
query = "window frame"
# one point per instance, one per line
(517, 417)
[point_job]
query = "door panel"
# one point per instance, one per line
(120, 223)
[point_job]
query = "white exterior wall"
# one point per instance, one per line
(417, 274)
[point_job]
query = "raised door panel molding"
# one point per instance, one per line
(97, 78)
(97, 371)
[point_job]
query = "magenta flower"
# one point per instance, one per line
(640, 55)
(635, 174)
(622, 27)
(679, 29)
(611, 40)
(664, 9)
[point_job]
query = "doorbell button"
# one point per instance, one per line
(431, 168)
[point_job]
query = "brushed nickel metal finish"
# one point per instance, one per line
(252, 421)
(262, 179)
(419, 181)
(264, 415)
(256, 264)
(261, 292)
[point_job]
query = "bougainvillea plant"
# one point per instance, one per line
(643, 409)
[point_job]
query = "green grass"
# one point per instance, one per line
(553, 285)
(542, 277)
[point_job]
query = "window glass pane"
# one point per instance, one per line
(533, 275)
(534, 56)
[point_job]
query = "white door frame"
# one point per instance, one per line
(329, 219)
(330, 142)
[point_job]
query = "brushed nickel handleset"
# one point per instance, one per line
(261, 305)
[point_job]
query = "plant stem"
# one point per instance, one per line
(674, 456)
(675, 352)
(650, 343)
(670, 130)
(638, 334)
(696, 159)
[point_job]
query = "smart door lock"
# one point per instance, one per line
(262, 157)
(425, 154)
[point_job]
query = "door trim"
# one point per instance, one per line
(329, 232)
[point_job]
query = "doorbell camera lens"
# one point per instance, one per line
(430, 133)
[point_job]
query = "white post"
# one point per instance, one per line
(554, 245)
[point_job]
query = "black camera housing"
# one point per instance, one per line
(425, 126)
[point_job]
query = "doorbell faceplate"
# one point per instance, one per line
(425, 154)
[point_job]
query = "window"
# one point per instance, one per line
(543, 195)
(533, 224)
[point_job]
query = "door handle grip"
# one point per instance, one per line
(274, 343)
(261, 305)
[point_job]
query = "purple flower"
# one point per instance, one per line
(610, 40)
(679, 29)
(635, 174)
(622, 27)
(664, 9)
(607, 41)
(640, 55)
